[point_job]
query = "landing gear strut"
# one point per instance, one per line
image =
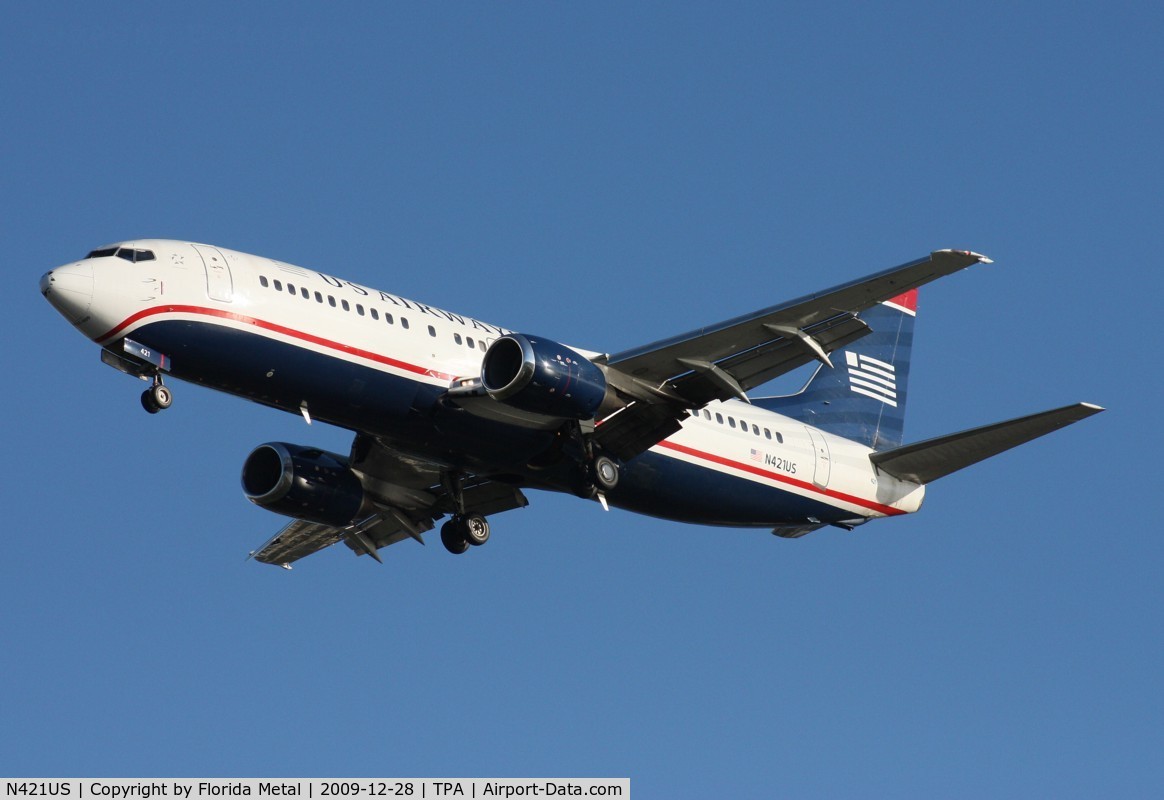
(599, 473)
(463, 530)
(157, 397)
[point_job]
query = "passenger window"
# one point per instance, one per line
(431, 331)
(278, 286)
(473, 343)
(375, 314)
(779, 438)
(347, 306)
(706, 414)
(388, 319)
(291, 288)
(359, 309)
(767, 434)
(719, 418)
(331, 301)
(306, 294)
(731, 422)
(756, 429)
(457, 338)
(263, 281)
(404, 323)
(318, 297)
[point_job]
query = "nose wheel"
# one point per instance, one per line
(158, 397)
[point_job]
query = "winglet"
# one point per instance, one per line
(981, 258)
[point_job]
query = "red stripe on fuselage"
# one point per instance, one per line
(392, 362)
(271, 326)
(888, 511)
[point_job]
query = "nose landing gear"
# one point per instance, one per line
(143, 362)
(158, 397)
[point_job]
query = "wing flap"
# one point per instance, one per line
(637, 428)
(297, 539)
(485, 497)
(771, 359)
(927, 461)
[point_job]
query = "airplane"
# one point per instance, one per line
(455, 417)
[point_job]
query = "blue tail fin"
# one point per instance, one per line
(863, 396)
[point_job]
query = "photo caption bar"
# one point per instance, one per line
(310, 788)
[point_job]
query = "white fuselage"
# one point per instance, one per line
(739, 447)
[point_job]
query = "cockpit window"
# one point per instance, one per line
(128, 253)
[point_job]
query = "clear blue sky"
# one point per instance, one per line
(607, 175)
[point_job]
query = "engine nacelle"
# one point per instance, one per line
(302, 482)
(542, 376)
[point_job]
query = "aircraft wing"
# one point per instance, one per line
(297, 539)
(408, 498)
(670, 377)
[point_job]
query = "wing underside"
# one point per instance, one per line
(408, 497)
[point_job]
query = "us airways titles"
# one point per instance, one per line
(401, 302)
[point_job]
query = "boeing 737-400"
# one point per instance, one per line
(454, 417)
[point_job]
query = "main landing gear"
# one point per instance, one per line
(591, 473)
(600, 475)
(158, 397)
(464, 531)
(604, 473)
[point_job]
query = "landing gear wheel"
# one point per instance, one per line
(604, 473)
(157, 397)
(453, 537)
(147, 402)
(163, 398)
(476, 529)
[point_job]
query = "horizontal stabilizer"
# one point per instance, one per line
(927, 461)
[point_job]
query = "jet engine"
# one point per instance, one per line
(541, 376)
(303, 482)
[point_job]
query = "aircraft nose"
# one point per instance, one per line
(70, 290)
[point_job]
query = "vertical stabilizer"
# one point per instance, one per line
(862, 397)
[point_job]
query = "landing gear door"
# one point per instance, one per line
(219, 285)
(823, 461)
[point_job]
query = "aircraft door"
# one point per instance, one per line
(823, 461)
(219, 284)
